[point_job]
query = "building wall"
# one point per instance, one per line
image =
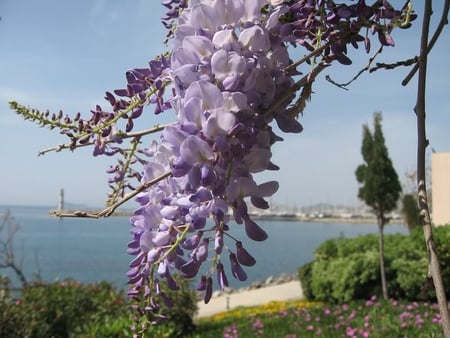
(440, 192)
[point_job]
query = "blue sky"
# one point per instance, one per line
(66, 54)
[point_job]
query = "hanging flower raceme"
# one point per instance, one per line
(230, 78)
(225, 72)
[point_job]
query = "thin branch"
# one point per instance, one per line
(405, 63)
(122, 135)
(437, 33)
(121, 183)
(364, 69)
(7, 256)
(110, 210)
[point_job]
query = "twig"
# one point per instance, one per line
(110, 210)
(122, 135)
(437, 33)
(389, 66)
(121, 184)
(366, 68)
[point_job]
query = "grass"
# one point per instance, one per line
(371, 318)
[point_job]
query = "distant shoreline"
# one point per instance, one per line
(294, 218)
(268, 217)
(74, 212)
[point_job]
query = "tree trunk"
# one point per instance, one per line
(380, 221)
(433, 259)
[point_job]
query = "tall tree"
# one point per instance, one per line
(380, 187)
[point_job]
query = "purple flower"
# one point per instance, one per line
(236, 268)
(243, 256)
(221, 276)
(194, 150)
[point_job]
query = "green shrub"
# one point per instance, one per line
(441, 237)
(71, 309)
(106, 327)
(358, 277)
(11, 319)
(304, 275)
(345, 269)
(410, 274)
(59, 309)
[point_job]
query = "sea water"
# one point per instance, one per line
(91, 250)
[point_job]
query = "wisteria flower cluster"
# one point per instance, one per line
(228, 77)
(226, 72)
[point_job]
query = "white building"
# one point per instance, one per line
(440, 192)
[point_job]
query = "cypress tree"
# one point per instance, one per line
(380, 187)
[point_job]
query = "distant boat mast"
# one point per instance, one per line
(61, 200)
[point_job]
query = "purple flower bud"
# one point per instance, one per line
(132, 292)
(192, 242)
(133, 251)
(146, 241)
(153, 255)
(367, 44)
(259, 202)
(208, 291)
(207, 176)
(194, 176)
(218, 242)
(201, 286)
(147, 291)
(157, 286)
(221, 277)
(161, 238)
(200, 253)
(171, 283)
(343, 59)
(133, 271)
(202, 195)
(163, 268)
(344, 11)
(169, 212)
(135, 280)
(198, 223)
(137, 260)
(254, 231)
(236, 269)
(288, 124)
(243, 256)
(133, 244)
(190, 269)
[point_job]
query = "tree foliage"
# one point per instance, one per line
(381, 187)
(410, 211)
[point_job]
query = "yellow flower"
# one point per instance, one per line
(268, 308)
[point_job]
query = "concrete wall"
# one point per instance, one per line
(440, 184)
